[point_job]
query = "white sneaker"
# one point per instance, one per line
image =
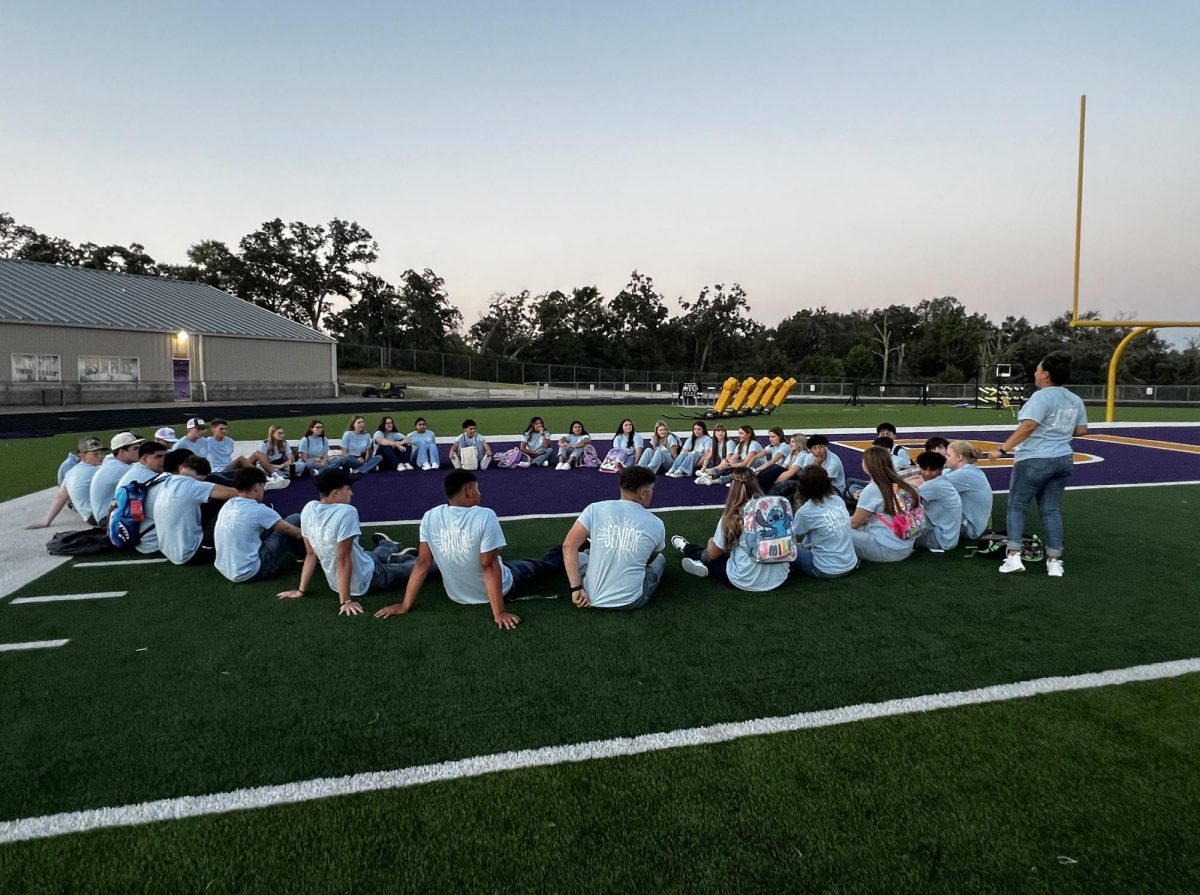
(703, 480)
(524, 464)
(1054, 567)
(695, 567)
(1012, 563)
(563, 466)
(678, 542)
(276, 481)
(407, 467)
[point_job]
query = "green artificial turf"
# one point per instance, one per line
(31, 462)
(191, 685)
(1094, 791)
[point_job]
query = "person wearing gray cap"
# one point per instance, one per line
(124, 447)
(77, 484)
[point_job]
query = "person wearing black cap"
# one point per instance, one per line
(331, 531)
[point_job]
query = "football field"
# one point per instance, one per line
(929, 726)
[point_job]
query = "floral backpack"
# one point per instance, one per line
(615, 460)
(509, 458)
(909, 518)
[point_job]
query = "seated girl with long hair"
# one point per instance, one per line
(739, 456)
(627, 439)
(727, 557)
(571, 446)
(393, 446)
(888, 517)
(721, 445)
(779, 476)
(277, 450)
(536, 448)
(693, 450)
(661, 448)
(822, 526)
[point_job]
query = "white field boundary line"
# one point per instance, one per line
(66, 598)
(32, 644)
(118, 562)
(51, 825)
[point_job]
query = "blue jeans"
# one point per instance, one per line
(391, 569)
(426, 453)
(527, 572)
(1043, 480)
(656, 458)
(806, 565)
(685, 463)
(362, 467)
(393, 455)
(275, 549)
(541, 459)
(653, 575)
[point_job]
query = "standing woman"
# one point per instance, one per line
(392, 446)
(1044, 459)
(661, 450)
(279, 453)
(972, 486)
(889, 516)
(424, 445)
(358, 448)
(626, 439)
(692, 452)
(535, 446)
(726, 557)
(313, 449)
(572, 445)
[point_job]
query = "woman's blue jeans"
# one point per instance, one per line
(1043, 480)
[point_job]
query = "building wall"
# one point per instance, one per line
(153, 350)
(262, 360)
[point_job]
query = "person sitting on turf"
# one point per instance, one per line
(76, 488)
(885, 529)
(822, 456)
(194, 438)
(123, 454)
(943, 506)
(424, 445)
(739, 456)
(822, 526)
(661, 448)
(901, 459)
(220, 453)
(624, 564)
(66, 465)
(175, 523)
(692, 452)
(937, 444)
(251, 539)
(627, 439)
(972, 486)
(166, 437)
(358, 448)
(464, 539)
(536, 448)
(331, 530)
(313, 448)
(393, 446)
(279, 453)
(571, 447)
(717, 454)
(149, 466)
(779, 476)
(470, 438)
(727, 557)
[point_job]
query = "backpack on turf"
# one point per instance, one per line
(509, 458)
(994, 545)
(767, 529)
(128, 512)
(615, 460)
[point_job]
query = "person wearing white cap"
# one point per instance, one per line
(166, 437)
(77, 484)
(124, 448)
(194, 439)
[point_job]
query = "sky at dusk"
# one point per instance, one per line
(847, 155)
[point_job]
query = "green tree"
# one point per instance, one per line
(719, 327)
(506, 328)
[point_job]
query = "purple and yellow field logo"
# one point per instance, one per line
(914, 446)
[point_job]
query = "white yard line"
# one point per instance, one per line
(326, 787)
(66, 598)
(118, 562)
(32, 644)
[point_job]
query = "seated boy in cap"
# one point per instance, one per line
(124, 447)
(76, 488)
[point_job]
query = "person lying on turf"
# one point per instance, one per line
(464, 539)
(331, 530)
(624, 564)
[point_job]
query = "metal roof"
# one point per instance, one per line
(77, 296)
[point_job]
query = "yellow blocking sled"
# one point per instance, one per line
(726, 393)
(756, 393)
(783, 391)
(765, 401)
(740, 398)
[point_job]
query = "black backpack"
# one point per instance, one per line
(994, 545)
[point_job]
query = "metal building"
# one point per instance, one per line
(73, 335)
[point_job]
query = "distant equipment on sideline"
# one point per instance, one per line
(749, 397)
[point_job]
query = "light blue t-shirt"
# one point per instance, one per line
(137, 472)
(355, 444)
(736, 452)
(426, 437)
(173, 506)
(67, 465)
(901, 458)
(313, 446)
(392, 437)
(325, 525)
(622, 441)
(669, 442)
(824, 526)
(78, 482)
(624, 535)
(697, 446)
(832, 466)
(220, 453)
(574, 440)
(104, 485)
(537, 441)
(943, 510)
(275, 455)
(975, 491)
(775, 451)
(199, 447)
(1057, 412)
(746, 574)
(238, 536)
(477, 442)
(871, 500)
(457, 538)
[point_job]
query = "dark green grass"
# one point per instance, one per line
(1094, 791)
(31, 462)
(235, 688)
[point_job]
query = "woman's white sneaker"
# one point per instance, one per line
(695, 567)
(1054, 567)
(1012, 563)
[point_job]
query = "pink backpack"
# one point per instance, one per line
(909, 519)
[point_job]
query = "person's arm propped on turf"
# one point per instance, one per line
(575, 539)
(416, 580)
(306, 573)
(492, 581)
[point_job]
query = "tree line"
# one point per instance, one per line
(320, 275)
